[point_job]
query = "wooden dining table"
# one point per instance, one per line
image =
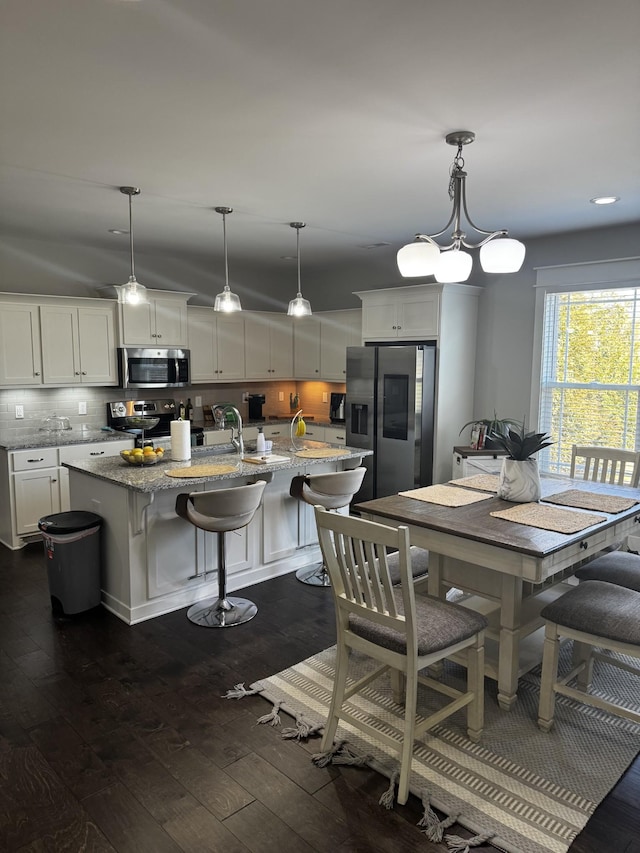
(506, 570)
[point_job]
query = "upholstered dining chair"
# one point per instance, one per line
(606, 464)
(403, 632)
(595, 615)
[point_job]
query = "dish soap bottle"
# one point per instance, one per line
(260, 441)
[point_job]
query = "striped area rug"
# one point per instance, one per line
(535, 791)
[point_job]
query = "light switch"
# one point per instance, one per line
(82, 408)
(325, 397)
(281, 396)
(198, 401)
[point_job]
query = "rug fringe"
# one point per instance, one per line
(433, 827)
(239, 691)
(273, 718)
(464, 845)
(386, 799)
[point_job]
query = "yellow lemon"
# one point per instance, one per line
(148, 450)
(125, 453)
(159, 450)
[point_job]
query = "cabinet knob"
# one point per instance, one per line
(53, 480)
(37, 373)
(394, 327)
(153, 335)
(84, 372)
(158, 336)
(77, 373)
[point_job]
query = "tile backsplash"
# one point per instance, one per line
(39, 403)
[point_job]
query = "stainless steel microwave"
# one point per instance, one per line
(153, 367)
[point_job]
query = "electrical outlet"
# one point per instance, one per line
(325, 397)
(19, 411)
(198, 401)
(82, 408)
(281, 396)
(245, 396)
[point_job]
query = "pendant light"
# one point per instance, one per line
(131, 293)
(299, 307)
(498, 252)
(226, 301)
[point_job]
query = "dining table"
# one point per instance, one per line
(509, 569)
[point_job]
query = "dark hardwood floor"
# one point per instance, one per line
(117, 738)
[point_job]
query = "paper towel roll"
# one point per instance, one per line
(180, 441)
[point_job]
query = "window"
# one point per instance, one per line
(590, 371)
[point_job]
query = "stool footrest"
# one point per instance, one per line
(222, 612)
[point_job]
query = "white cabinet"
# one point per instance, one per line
(335, 435)
(268, 346)
(33, 484)
(20, 354)
(78, 345)
(306, 346)
(162, 321)
(217, 344)
(468, 462)
(338, 330)
(404, 312)
(314, 432)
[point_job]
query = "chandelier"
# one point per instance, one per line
(298, 307)
(226, 301)
(131, 293)
(449, 263)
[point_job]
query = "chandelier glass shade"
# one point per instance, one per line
(298, 307)
(131, 293)
(449, 263)
(226, 301)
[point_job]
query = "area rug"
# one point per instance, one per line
(526, 790)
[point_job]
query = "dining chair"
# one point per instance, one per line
(403, 632)
(595, 615)
(606, 464)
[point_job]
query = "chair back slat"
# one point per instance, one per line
(606, 465)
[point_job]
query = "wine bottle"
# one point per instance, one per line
(189, 410)
(181, 411)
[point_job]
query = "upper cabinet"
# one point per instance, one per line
(216, 342)
(268, 346)
(78, 345)
(57, 341)
(20, 351)
(306, 347)
(338, 330)
(162, 321)
(402, 312)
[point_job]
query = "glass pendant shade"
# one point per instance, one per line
(226, 302)
(299, 307)
(453, 266)
(131, 293)
(502, 255)
(417, 259)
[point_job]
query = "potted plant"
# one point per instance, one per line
(492, 425)
(519, 476)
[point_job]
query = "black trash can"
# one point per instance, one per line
(72, 554)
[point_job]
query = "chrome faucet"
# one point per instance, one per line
(219, 413)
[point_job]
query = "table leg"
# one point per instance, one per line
(435, 589)
(509, 651)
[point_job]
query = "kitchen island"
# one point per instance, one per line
(154, 562)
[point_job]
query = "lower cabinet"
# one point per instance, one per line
(36, 493)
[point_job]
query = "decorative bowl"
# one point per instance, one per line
(140, 459)
(139, 422)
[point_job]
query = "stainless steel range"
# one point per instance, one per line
(165, 410)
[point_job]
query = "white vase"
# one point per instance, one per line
(519, 480)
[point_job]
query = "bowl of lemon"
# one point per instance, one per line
(143, 455)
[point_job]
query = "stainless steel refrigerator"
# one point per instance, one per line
(390, 410)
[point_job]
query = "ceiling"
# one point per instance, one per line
(332, 112)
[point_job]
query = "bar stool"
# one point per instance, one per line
(218, 512)
(331, 491)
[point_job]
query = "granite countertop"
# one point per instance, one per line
(153, 478)
(43, 438)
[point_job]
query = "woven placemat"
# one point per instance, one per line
(591, 500)
(203, 470)
(483, 482)
(321, 452)
(445, 495)
(549, 518)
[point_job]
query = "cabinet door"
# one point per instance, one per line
(306, 348)
(138, 323)
(20, 359)
(60, 350)
(230, 346)
(379, 320)
(96, 344)
(201, 324)
(338, 330)
(335, 435)
(257, 346)
(281, 347)
(37, 493)
(418, 317)
(170, 322)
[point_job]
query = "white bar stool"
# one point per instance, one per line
(218, 512)
(331, 491)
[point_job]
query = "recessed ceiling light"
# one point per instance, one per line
(117, 231)
(605, 199)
